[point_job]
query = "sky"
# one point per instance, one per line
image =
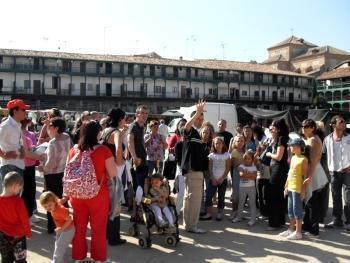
(239, 30)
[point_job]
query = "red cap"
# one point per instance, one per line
(17, 103)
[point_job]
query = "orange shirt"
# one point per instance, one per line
(60, 215)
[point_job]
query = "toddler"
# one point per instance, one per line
(14, 220)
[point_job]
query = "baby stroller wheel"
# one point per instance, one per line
(170, 241)
(144, 242)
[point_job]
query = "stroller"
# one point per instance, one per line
(171, 235)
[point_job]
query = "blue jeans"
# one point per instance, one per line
(221, 194)
(295, 206)
(235, 184)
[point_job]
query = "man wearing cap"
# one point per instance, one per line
(11, 143)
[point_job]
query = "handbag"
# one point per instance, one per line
(265, 159)
(169, 170)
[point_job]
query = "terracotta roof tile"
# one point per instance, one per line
(316, 51)
(153, 59)
(335, 73)
(293, 40)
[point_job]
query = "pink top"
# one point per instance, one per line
(28, 143)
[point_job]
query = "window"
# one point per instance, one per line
(196, 91)
(82, 67)
(157, 89)
(26, 84)
(1, 59)
(281, 93)
(175, 90)
(244, 93)
(211, 91)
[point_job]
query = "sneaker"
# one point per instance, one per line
(286, 233)
(233, 215)
(251, 223)
(347, 227)
(310, 235)
(236, 220)
(197, 230)
(34, 219)
(162, 224)
(270, 228)
(295, 236)
(218, 217)
(334, 224)
(205, 217)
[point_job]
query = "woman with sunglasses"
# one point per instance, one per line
(316, 178)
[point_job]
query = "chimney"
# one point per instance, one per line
(180, 57)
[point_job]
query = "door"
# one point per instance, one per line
(152, 70)
(108, 68)
(37, 87)
(82, 89)
(1, 85)
(183, 91)
(123, 90)
(291, 97)
(274, 96)
(263, 94)
(108, 89)
(36, 64)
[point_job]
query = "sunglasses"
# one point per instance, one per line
(306, 126)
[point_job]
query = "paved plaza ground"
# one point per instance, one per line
(224, 242)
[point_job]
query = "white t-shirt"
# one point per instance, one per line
(246, 182)
(219, 163)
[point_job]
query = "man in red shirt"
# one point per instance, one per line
(14, 220)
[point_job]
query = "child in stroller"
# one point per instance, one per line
(159, 195)
(158, 210)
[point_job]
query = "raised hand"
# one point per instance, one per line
(200, 106)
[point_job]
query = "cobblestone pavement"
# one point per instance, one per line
(224, 242)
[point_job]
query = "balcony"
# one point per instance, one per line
(333, 86)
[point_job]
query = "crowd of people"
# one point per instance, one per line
(105, 162)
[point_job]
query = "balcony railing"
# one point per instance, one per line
(96, 71)
(340, 85)
(144, 94)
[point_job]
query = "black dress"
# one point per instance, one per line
(277, 204)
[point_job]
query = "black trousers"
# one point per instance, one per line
(113, 231)
(262, 196)
(276, 204)
(29, 189)
(53, 184)
(313, 213)
(12, 249)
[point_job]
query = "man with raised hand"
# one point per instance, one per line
(192, 169)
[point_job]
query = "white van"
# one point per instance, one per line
(213, 112)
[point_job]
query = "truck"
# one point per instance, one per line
(213, 112)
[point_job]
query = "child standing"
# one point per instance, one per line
(295, 189)
(159, 194)
(14, 220)
(64, 226)
(247, 172)
(219, 166)
(237, 152)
